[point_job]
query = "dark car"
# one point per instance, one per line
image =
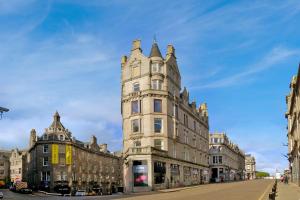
(25, 191)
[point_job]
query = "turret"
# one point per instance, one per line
(32, 139)
(155, 52)
(93, 143)
(170, 51)
(136, 46)
(103, 148)
(203, 109)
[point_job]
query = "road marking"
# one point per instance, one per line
(268, 189)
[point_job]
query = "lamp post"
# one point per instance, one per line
(2, 110)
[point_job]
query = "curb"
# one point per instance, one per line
(52, 194)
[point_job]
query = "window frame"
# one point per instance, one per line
(156, 123)
(138, 125)
(44, 161)
(134, 88)
(45, 148)
(138, 107)
(155, 109)
(156, 84)
(161, 146)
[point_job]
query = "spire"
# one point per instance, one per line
(56, 116)
(56, 121)
(155, 52)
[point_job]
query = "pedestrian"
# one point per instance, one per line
(286, 179)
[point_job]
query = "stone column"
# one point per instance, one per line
(150, 173)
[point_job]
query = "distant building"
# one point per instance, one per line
(57, 160)
(4, 168)
(18, 165)
(250, 166)
(293, 135)
(165, 136)
(226, 160)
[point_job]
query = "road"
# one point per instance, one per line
(245, 190)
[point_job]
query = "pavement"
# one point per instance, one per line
(242, 190)
(287, 191)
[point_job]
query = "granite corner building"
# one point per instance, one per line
(165, 136)
(293, 133)
(56, 160)
(250, 166)
(227, 160)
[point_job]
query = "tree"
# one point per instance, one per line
(261, 174)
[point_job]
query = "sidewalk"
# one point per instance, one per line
(288, 192)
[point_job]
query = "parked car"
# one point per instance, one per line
(25, 191)
(80, 193)
(1, 195)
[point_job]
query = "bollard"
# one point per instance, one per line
(272, 196)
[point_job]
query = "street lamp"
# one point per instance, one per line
(2, 110)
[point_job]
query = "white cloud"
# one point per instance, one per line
(272, 59)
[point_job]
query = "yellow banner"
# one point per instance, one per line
(54, 153)
(68, 154)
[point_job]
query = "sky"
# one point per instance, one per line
(237, 56)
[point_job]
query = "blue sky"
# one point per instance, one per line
(238, 56)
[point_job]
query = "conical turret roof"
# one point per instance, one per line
(155, 52)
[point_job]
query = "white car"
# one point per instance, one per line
(1, 195)
(80, 193)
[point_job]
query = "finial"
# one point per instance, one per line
(154, 38)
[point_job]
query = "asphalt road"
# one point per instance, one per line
(245, 190)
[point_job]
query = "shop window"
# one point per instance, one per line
(140, 173)
(45, 176)
(159, 172)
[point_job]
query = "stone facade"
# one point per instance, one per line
(250, 166)
(56, 159)
(227, 161)
(292, 115)
(4, 167)
(18, 165)
(165, 137)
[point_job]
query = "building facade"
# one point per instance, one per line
(18, 165)
(227, 161)
(293, 135)
(165, 137)
(250, 166)
(57, 160)
(4, 168)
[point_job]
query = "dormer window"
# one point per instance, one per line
(45, 137)
(61, 137)
(156, 67)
